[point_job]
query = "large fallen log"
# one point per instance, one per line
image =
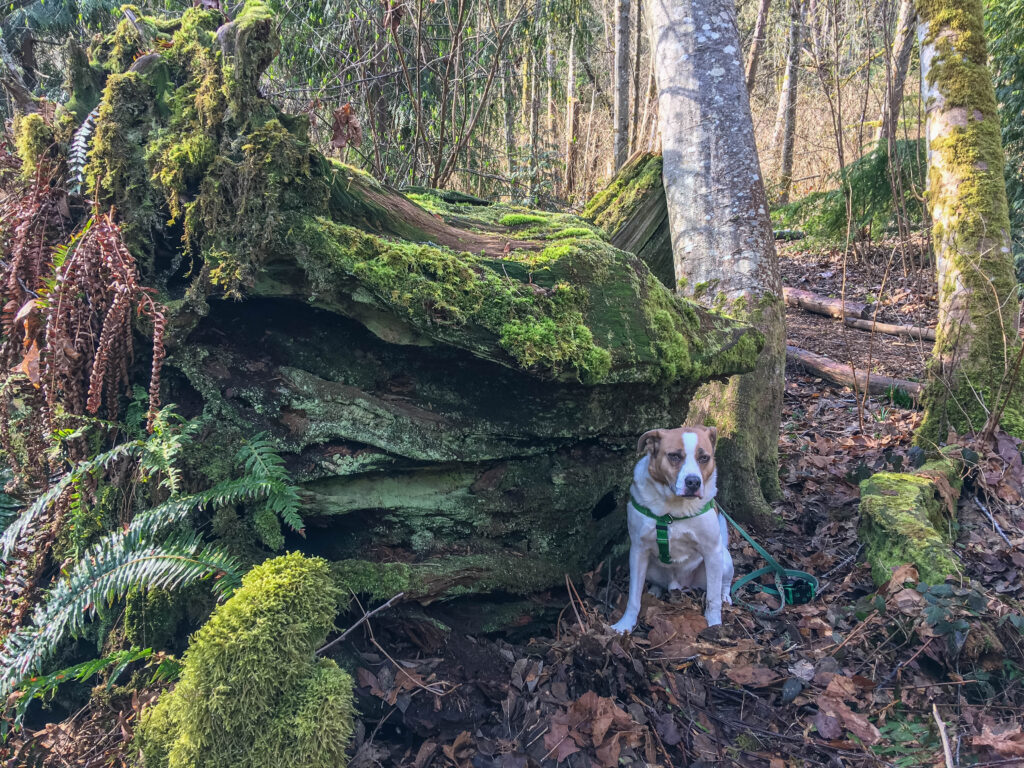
(844, 375)
(457, 387)
(910, 331)
(822, 305)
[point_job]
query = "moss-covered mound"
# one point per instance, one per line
(252, 693)
(906, 518)
(458, 387)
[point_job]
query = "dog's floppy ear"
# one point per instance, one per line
(713, 436)
(649, 441)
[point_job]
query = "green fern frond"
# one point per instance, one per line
(43, 502)
(116, 564)
(45, 686)
(259, 459)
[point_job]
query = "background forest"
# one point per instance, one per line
(329, 328)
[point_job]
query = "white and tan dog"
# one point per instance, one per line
(677, 477)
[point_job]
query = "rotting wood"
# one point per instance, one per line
(840, 373)
(822, 305)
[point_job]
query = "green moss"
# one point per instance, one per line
(34, 139)
(614, 205)
(521, 219)
(904, 520)
(571, 232)
(252, 694)
(381, 581)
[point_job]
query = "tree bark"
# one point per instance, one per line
(621, 121)
(903, 47)
(972, 372)
(784, 136)
(634, 127)
(12, 77)
(757, 43)
(722, 239)
(534, 129)
(571, 119)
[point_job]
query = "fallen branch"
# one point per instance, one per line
(822, 305)
(840, 373)
(911, 331)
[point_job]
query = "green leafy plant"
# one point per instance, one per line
(44, 687)
(144, 555)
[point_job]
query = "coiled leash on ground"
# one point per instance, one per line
(792, 587)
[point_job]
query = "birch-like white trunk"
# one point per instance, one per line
(722, 239)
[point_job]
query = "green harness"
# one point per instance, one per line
(791, 586)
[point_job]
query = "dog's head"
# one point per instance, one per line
(682, 459)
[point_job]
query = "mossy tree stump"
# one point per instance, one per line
(458, 388)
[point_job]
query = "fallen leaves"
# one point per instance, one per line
(1006, 740)
(592, 722)
(346, 129)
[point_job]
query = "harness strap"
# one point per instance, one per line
(662, 523)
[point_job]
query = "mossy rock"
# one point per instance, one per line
(252, 693)
(457, 387)
(905, 519)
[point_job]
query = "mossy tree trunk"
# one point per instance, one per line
(722, 240)
(975, 361)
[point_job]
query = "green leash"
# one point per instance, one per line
(792, 587)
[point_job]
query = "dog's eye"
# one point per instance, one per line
(675, 458)
(703, 459)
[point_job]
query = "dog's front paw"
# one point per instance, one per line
(726, 597)
(623, 626)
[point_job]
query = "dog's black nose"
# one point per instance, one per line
(692, 482)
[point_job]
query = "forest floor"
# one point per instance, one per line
(858, 676)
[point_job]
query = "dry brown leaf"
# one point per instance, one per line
(558, 742)
(29, 365)
(904, 574)
(461, 750)
(1007, 741)
(346, 129)
(909, 602)
(753, 675)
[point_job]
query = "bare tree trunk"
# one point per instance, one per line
(784, 137)
(534, 130)
(722, 239)
(551, 84)
(12, 77)
(903, 47)
(621, 122)
(571, 119)
(634, 127)
(757, 43)
(508, 94)
(974, 370)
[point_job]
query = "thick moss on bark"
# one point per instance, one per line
(904, 519)
(458, 388)
(252, 693)
(976, 346)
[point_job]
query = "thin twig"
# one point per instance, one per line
(946, 751)
(362, 619)
(992, 520)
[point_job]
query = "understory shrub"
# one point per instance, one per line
(875, 206)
